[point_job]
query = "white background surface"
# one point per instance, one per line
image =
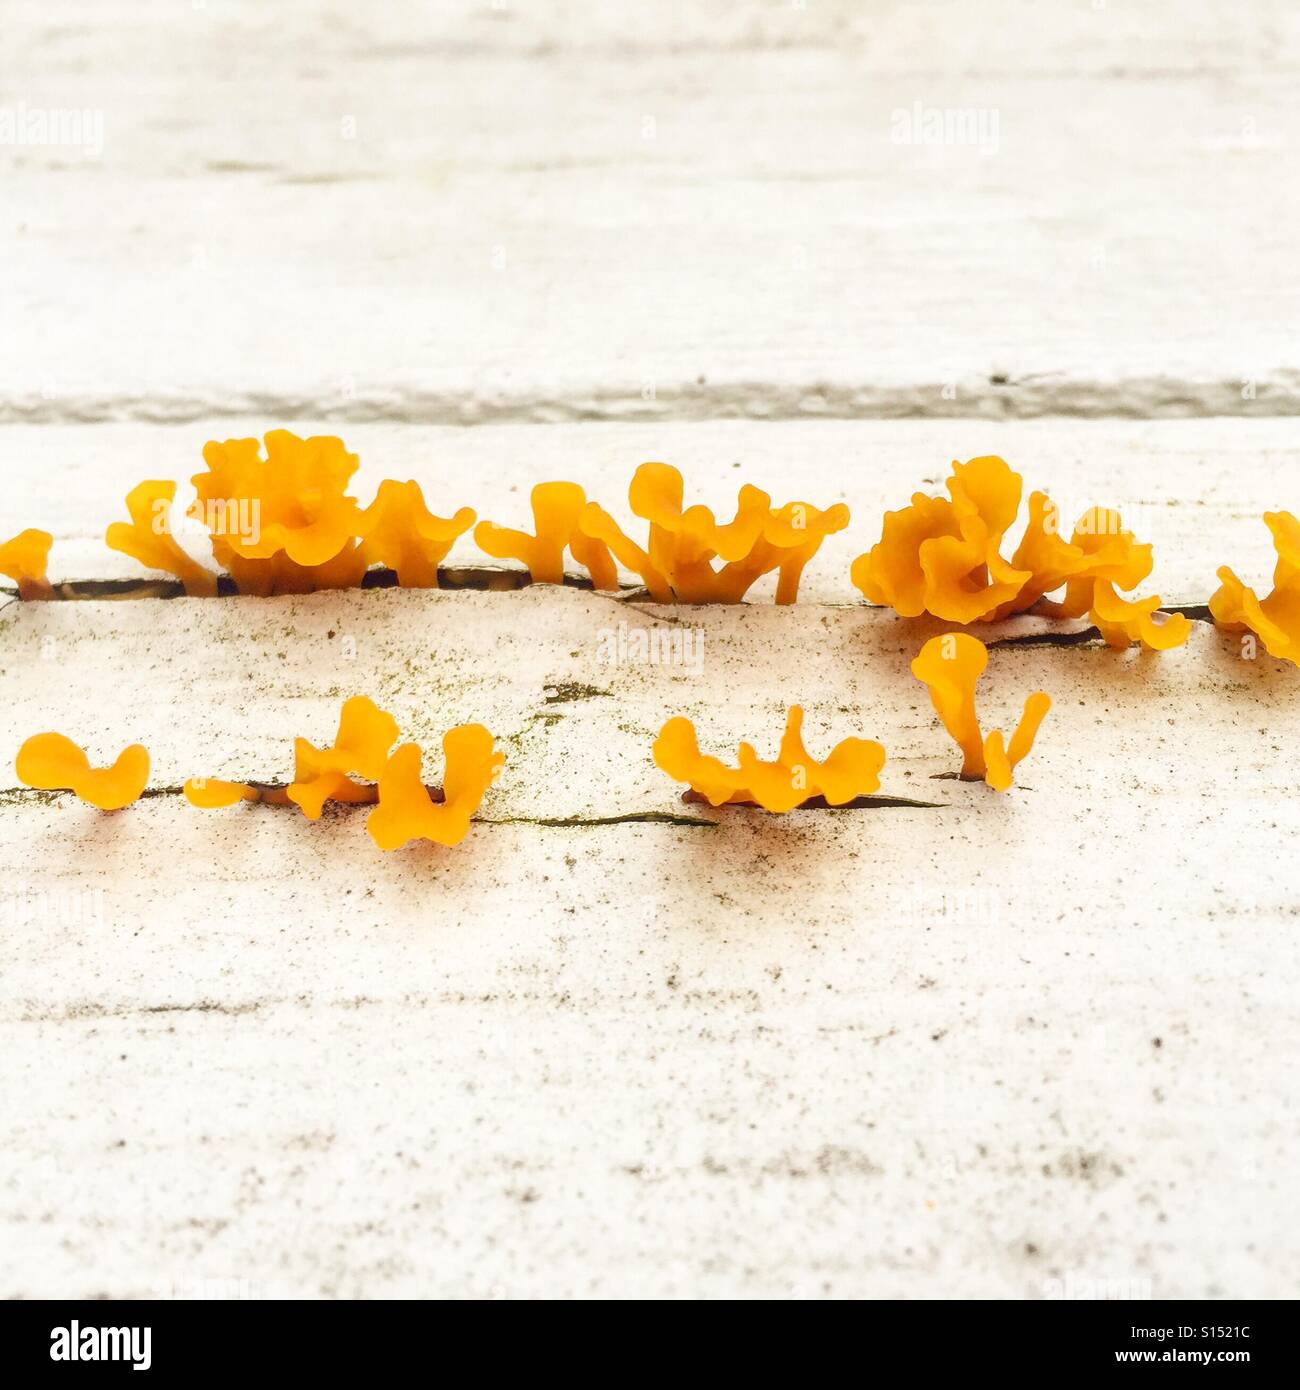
(1016, 1046)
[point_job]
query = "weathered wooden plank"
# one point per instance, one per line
(1003, 1053)
(454, 214)
(1134, 40)
(220, 687)
(1023, 1046)
(1195, 489)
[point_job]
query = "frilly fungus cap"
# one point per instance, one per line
(52, 762)
(943, 556)
(1275, 620)
(25, 559)
(851, 770)
(677, 564)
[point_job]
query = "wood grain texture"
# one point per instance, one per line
(856, 1052)
(452, 214)
(629, 1062)
(577, 709)
(1195, 489)
(1032, 1046)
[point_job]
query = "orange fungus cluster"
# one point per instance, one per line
(944, 556)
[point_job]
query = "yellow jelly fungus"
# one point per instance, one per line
(399, 531)
(851, 770)
(1100, 549)
(365, 735)
(1100, 555)
(677, 565)
(407, 812)
(951, 665)
(557, 509)
(147, 537)
(284, 523)
(209, 793)
(1122, 622)
(1275, 620)
(943, 557)
(25, 559)
(51, 762)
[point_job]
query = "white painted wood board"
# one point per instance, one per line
(1195, 489)
(981, 1048)
(1026, 1046)
(471, 212)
